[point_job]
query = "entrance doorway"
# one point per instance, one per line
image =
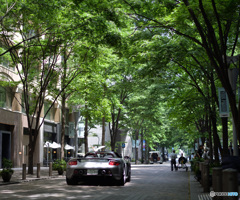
(5, 146)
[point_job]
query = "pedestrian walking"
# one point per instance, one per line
(173, 157)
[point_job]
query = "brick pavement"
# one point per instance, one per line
(195, 188)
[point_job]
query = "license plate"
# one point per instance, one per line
(92, 172)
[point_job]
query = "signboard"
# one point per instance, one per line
(81, 130)
(123, 145)
(137, 143)
(223, 103)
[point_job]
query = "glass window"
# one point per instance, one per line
(6, 96)
(2, 97)
(50, 114)
(9, 97)
(46, 107)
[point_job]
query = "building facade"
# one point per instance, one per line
(14, 136)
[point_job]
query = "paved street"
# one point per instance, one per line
(148, 182)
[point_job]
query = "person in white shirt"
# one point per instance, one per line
(173, 157)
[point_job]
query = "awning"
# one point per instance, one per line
(47, 144)
(53, 145)
(68, 147)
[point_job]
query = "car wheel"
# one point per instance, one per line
(71, 181)
(129, 176)
(121, 182)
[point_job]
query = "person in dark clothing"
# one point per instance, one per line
(173, 157)
(182, 159)
(182, 162)
(200, 151)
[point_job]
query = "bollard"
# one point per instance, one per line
(24, 167)
(200, 166)
(217, 181)
(205, 176)
(50, 169)
(230, 182)
(38, 170)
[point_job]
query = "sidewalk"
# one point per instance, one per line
(196, 190)
(44, 174)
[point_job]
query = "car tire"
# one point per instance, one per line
(121, 182)
(129, 176)
(71, 181)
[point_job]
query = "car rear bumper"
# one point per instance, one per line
(84, 174)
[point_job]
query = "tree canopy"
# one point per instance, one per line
(141, 66)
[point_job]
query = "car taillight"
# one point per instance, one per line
(74, 162)
(112, 162)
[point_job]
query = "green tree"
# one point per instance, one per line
(44, 33)
(211, 26)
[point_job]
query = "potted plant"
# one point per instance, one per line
(7, 171)
(60, 166)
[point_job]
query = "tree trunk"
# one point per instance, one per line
(63, 124)
(209, 129)
(103, 119)
(216, 140)
(136, 149)
(31, 148)
(225, 135)
(63, 84)
(112, 142)
(86, 134)
(146, 152)
(142, 145)
(113, 133)
(103, 131)
(30, 155)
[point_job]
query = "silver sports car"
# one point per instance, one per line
(100, 165)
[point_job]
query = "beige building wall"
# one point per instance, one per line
(16, 102)
(13, 121)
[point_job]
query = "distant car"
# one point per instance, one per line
(100, 165)
(155, 157)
